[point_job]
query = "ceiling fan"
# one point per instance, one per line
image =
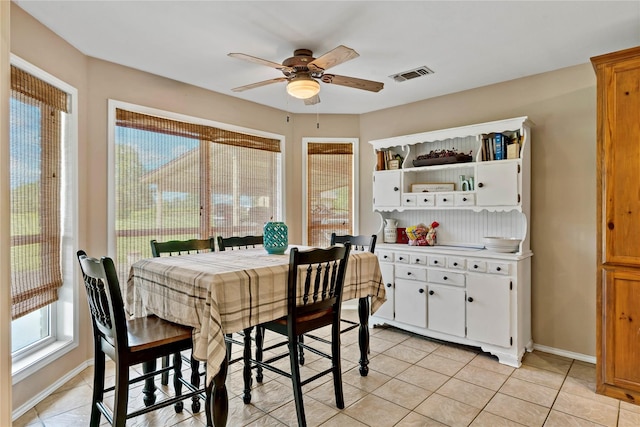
(302, 72)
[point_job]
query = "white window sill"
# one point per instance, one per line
(39, 359)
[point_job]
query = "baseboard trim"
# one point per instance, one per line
(31, 403)
(564, 353)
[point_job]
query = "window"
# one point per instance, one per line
(42, 149)
(178, 177)
(330, 178)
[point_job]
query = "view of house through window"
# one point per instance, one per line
(329, 190)
(177, 180)
(38, 118)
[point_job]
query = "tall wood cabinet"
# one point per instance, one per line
(618, 222)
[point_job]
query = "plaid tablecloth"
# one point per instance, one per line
(225, 292)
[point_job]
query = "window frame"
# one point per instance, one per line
(355, 142)
(64, 313)
(111, 191)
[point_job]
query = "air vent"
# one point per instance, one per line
(411, 74)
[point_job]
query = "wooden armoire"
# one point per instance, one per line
(618, 224)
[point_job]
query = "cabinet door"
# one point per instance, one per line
(411, 302)
(497, 184)
(620, 153)
(386, 188)
(387, 309)
(445, 310)
(489, 309)
(621, 305)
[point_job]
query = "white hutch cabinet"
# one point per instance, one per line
(458, 290)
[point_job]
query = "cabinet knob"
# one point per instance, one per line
(388, 285)
(470, 299)
(464, 199)
(444, 200)
(426, 200)
(480, 185)
(445, 278)
(395, 188)
(400, 258)
(610, 225)
(408, 200)
(498, 269)
(421, 291)
(408, 273)
(385, 257)
(455, 264)
(435, 261)
(475, 266)
(431, 292)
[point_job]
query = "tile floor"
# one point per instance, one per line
(412, 381)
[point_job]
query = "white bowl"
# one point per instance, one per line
(501, 244)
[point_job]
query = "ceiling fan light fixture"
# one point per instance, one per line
(303, 87)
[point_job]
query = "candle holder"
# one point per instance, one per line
(276, 237)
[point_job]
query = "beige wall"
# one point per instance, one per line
(561, 103)
(5, 233)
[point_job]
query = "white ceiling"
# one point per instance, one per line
(467, 43)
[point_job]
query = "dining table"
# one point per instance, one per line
(231, 291)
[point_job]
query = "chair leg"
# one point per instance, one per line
(336, 365)
(301, 350)
(259, 345)
(98, 387)
(177, 384)
(295, 380)
(121, 396)
(229, 344)
(164, 379)
(195, 380)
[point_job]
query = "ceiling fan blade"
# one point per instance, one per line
(353, 82)
(332, 58)
(313, 100)
(260, 61)
(258, 84)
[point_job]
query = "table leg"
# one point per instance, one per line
(363, 335)
(217, 396)
(149, 389)
(246, 371)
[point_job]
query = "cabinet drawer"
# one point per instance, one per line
(475, 265)
(465, 199)
(409, 200)
(444, 199)
(437, 261)
(402, 257)
(446, 277)
(411, 273)
(457, 263)
(418, 259)
(426, 199)
(498, 268)
(385, 256)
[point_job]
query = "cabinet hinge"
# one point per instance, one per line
(510, 340)
(518, 168)
(511, 285)
(518, 198)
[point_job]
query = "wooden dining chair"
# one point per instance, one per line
(128, 342)
(314, 296)
(176, 248)
(238, 243)
(234, 242)
(361, 242)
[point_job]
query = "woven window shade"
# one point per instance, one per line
(177, 180)
(329, 191)
(35, 145)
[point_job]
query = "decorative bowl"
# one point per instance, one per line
(502, 244)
